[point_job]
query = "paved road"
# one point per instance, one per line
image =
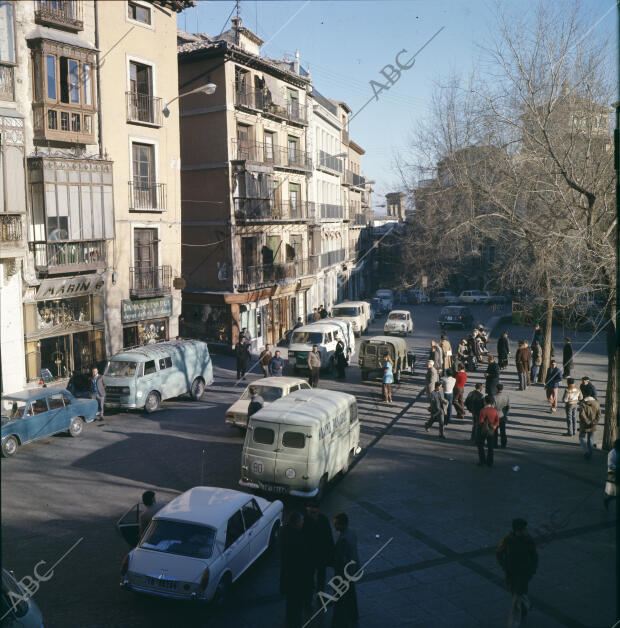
(407, 485)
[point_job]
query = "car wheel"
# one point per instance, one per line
(152, 402)
(76, 426)
(274, 535)
(222, 591)
(197, 389)
(9, 446)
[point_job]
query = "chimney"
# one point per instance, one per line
(236, 26)
(296, 62)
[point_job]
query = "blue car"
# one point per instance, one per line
(34, 414)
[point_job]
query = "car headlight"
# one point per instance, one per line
(290, 473)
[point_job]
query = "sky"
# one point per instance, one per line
(345, 44)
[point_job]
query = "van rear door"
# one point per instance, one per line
(261, 444)
(292, 453)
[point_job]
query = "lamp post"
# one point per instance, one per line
(207, 89)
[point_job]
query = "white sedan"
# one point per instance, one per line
(200, 543)
(270, 389)
(398, 322)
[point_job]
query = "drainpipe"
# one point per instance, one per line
(99, 123)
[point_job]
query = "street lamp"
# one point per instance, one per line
(207, 89)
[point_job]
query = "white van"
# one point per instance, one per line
(387, 298)
(300, 442)
(357, 312)
(323, 334)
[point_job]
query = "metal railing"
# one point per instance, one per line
(64, 13)
(143, 108)
(332, 257)
(329, 161)
(359, 219)
(149, 281)
(11, 228)
(269, 209)
(296, 112)
(252, 277)
(356, 180)
(146, 196)
(327, 210)
(7, 85)
(271, 154)
(58, 257)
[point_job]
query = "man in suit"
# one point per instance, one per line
(346, 564)
(98, 392)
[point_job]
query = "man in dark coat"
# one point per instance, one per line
(567, 357)
(98, 393)
(552, 385)
(491, 377)
(522, 360)
(256, 401)
(345, 553)
(320, 541)
(503, 350)
(341, 359)
(518, 558)
(295, 561)
(588, 389)
(242, 352)
(474, 403)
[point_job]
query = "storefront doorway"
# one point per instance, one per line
(56, 356)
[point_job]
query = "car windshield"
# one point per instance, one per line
(15, 409)
(345, 311)
(268, 393)
(185, 539)
(307, 338)
(397, 316)
(119, 368)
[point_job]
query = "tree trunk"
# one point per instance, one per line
(610, 430)
(548, 328)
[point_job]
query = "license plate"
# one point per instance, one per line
(162, 584)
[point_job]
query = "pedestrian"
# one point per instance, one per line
(552, 385)
(459, 389)
(299, 323)
(471, 350)
(431, 378)
(314, 364)
(264, 358)
(256, 401)
(323, 312)
(501, 402)
(491, 377)
(245, 334)
(152, 507)
(462, 353)
(587, 388)
(474, 403)
(98, 393)
(528, 381)
(446, 349)
(503, 350)
(341, 359)
(320, 541)
(536, 361)
(567, 358)
(538, 335)
(589, 416)
(518, 558)
(571, 398)
(276, 365)
(316, 317)
(346, 564)
(295, 569)
(437, 409)
(488, 422)
(388, 379)
(610, 483)
(522, 359)
(449, 382)
(436, 355)
(242, 352)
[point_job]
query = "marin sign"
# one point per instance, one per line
(145, 309)
(71, 287)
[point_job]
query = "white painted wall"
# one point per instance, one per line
(11, 331)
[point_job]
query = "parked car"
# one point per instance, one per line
(356, 312)
(417, 297)
(387, 298)
(445, 297)
(456, 316)
(270, 389)
(300, 442)
(398, 322)
(322, 333)
(17, 608)
(372, 352)
(474, 296)
(33, 414)
(146, 376)
(199, 544)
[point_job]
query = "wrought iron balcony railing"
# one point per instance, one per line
(261, 100)
(358, 219)
(11, 229)
(253, 277)
(147, 196)
(143, 108)
(329, 161)
(65, 257)
(63, 13)
(257, 209)
(271, 154)
(328, 211)
(332, 257)
(149, 281)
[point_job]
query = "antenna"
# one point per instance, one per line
(237, 3)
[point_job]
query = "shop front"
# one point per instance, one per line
(63, 327)
(145, 321)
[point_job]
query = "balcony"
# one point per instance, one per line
(143, 108)
(355, 180)
(330, 212)
(261, 100)
(11, 228)
(254, 277)
(332, 257)
(149, 281)
(7, 84)
(271, 155)
(268, 210)
(145, 196)
(62, 123)
(56, 258)
(329, 162)
(65, 14)
(358, 220)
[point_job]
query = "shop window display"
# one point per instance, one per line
(211, 323)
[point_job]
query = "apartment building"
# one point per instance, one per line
(248, 258)
(138, 77)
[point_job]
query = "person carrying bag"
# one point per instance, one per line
(488, 422)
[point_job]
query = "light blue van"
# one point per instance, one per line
(146, 376)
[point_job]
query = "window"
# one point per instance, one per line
(294, 440)
(269, 146)
(165, 363)
(292, 149)
(143, 160)
(149, 367)
(7, 32)
(39, 406)
(56, 402)
(88, 89)
(251, 513)
(138, 13)
(50, 64)
(141, 92)
(183, 539)
(74, 81)
(263, 436)
(234, 529)
(294, 194)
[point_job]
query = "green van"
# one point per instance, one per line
(146, 376)
(372, 354)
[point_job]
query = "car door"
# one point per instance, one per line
(291, 461)
(236, 546)
(256, 528)
(58, 413)
(38, 424)
(128, 526)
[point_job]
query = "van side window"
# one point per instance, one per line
(149, 367)
(294, 440)
(165, 363)
(263, 436)
(234, 529)
(353, 412)
(168, 362)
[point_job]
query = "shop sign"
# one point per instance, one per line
(145, 309)
(69, 287)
